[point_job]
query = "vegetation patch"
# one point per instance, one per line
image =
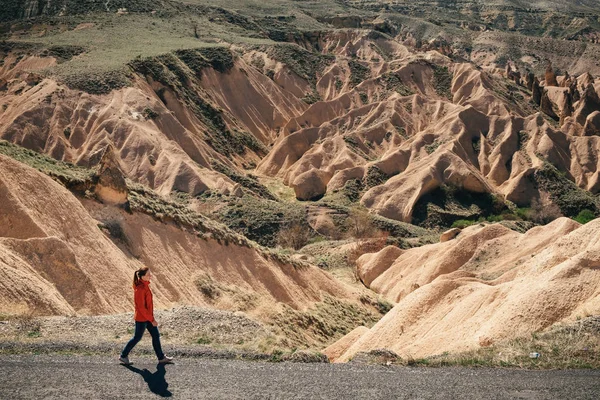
(358, 73)
(218, 58)
(68, 174)
(63, 52)
(247, 181)
(260, 219)
(448, 204)
(571, 199)
(585, 216)
(393, 82)
(326, 322)
(306, 64)
(374, 177)
(442, 81)
(573, 346)
(213, 291)
(312, 97)
(430, 148)
(100, 82)
(364, 98)
(149, 113)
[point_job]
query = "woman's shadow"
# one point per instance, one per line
(156, 381)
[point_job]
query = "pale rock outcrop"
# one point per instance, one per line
(589, 103)
(449, 234)
(371, 265)
(54, 259)
(592, 124)
(111, 187)
(311, 184)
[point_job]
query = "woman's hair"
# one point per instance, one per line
(137, 276)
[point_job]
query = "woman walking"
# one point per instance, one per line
(144, 317)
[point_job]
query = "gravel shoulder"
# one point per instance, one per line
(100, 377)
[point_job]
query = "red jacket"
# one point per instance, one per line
(142, 295)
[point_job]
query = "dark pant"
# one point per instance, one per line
(137, 336)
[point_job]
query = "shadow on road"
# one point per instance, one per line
(156, 381)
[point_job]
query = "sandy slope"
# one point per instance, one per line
(56, 260)
(488, 284)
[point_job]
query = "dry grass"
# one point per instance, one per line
(294, 236)
(322, 324)
(573, 346)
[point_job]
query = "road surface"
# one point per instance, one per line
(101, 377)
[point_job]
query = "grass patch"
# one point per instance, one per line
(442, 81)
(462, 223)
(306, 64)
(260, 219)
(326, 322)
(447, 204)
(358, 73)
(574, 346)
(68, 174)
(585, 216)
(563, 192)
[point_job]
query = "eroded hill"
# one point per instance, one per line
(291, 124)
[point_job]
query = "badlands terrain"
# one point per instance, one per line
(406, 180)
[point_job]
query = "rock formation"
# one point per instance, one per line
(111, 187)
(536, 92)
(589, 103)
(546, 106)
(592, 124)
(450, 234)
(550, 76)
(310, 185)
(529, 79)
(50, 239)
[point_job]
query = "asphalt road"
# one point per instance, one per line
(100, 377)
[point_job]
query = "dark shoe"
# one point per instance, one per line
(166, 360)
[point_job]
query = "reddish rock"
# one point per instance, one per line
(550, 76)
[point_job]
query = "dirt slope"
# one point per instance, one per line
(488, 284)
(56, 259)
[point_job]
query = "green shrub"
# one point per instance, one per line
(442, 81)
(463, 223)
(585, 216)
(563, 192)
(358, 72)
(149, 113)
(306, 64)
